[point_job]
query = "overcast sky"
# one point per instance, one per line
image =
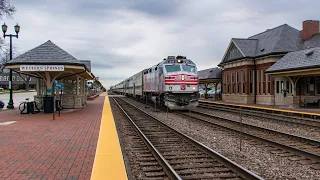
(122, 37)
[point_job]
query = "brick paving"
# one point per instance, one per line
(37, 147)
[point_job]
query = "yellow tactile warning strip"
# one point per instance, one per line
(108, 162)
(265, 108)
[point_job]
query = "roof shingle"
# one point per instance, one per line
(212, 73)
(46, 53)
(302, 59)
(281, 39)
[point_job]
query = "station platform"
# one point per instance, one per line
(302, 112)
(79, 144)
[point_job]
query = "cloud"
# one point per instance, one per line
(124, 37)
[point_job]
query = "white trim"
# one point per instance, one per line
(228, 49)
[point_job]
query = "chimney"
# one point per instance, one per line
(310, 28)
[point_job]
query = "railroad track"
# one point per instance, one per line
(296, 148)
(180, 156)
(273, 117)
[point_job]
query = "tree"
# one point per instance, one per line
(6, 8)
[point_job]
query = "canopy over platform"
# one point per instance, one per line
(50, 64)
(297, 78)
(212, 76)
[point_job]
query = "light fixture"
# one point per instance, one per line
(4, 28)
(17, 28)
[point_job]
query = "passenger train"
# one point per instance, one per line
(172, 83)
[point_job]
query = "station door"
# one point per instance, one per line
(282, 90)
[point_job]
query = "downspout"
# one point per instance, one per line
(255, 81)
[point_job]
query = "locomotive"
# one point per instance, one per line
(172, 83)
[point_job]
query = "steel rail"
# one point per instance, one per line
(309, 155)
(215, 155)
(164, 163)
(278, 117)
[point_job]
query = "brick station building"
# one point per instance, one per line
(244, 65)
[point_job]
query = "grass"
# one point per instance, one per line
(14, 91)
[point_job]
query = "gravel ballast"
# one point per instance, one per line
(291, 128)
(255, 157)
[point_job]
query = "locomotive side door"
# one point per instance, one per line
(161, 79)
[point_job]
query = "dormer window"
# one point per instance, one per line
(308, 53)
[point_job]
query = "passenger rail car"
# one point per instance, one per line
(172, 83)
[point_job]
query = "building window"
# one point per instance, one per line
(238, 82)
(243, 82)
(269, 84)
(258, 82)
(251, 81)
(308, 85)
(278, 88)
(318, 85)
(288, 86)
(263, 82)
(227, 78)
(232, 82)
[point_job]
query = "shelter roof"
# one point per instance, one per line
(303, 59)
(212, 73)
(46, 53)
(87, 63)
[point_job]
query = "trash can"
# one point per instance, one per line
(48, 104)
(30, 108)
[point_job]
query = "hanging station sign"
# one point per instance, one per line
(41, 67)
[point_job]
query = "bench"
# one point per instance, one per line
(312, 101)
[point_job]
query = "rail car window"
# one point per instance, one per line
(188, 68)
(173, 68)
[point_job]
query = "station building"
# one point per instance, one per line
(280, 66)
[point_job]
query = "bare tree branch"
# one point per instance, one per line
(6, 8)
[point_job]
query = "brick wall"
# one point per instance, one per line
(309, 28)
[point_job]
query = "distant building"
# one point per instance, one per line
(17, 81)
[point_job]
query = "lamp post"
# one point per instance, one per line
(4, 30)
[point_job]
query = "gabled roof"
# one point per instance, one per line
(212, 73)
(303, 59)
(281, 39)
(46, 53)
(247, 46)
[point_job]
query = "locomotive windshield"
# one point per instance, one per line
(189, 68)
(173, 68)
(177, 68)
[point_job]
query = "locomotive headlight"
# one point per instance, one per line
(193, 87)
(179, 61)
(182, 77)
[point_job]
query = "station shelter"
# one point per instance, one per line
(211, 78)
(59, 74)
(297, 78)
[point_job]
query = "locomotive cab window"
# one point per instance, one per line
(173, 68)
(189, 68)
